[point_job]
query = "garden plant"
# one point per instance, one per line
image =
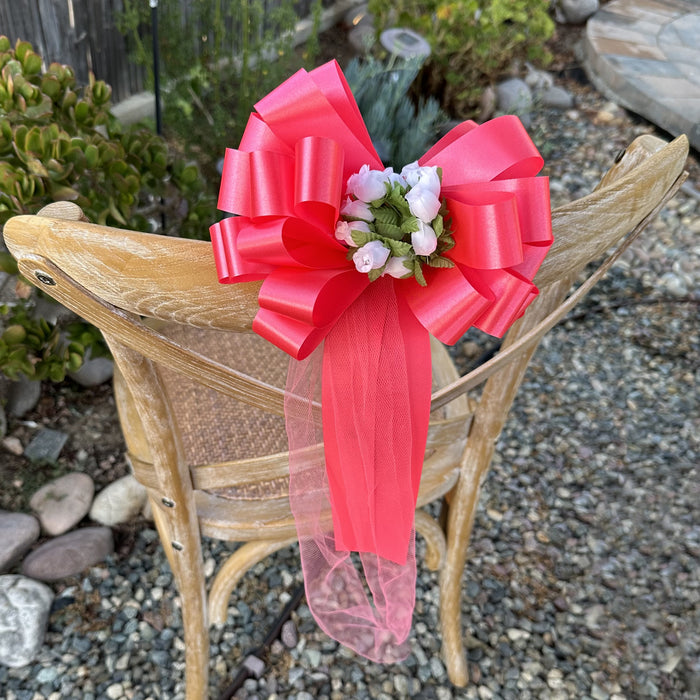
(59, 141)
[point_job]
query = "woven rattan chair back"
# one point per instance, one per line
(200, 397)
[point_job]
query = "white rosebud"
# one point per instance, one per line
(367, 185)
(371, 256)
(411, 173)
(423, 203)
(394, 178)
(357, 210)
(429, 179)
(425, 176)
(395, 268)
(424, 240)
(344, 229)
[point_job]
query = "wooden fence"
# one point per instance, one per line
(80, 33)
(84, 35)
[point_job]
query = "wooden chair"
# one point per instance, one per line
(200, 397)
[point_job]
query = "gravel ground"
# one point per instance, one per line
(582, 580)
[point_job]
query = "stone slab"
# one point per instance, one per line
(655, 75)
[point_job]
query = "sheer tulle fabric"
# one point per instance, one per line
(370, 476)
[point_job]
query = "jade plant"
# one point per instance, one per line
(59, 141)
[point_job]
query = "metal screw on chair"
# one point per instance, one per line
(176, 545)
(167, 502)
(44, 278)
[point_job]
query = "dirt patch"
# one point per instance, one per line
(95, 444)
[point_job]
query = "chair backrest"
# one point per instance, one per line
(114, 278)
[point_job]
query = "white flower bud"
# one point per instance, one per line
(371, 256)
(367, 185)
(395, 268)
(344, 229)
(424, 240)
(357, 209)
(423, 203)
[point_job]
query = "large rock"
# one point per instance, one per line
(515, 97)
(119, 502)
(23, 396)
(557, 98)
(24, 614)
(94, 371)
(18, 532)
(63, 503)
(69, 554)
(576, 11)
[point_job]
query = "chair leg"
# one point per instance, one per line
(434, 539)
(184, 552)
(460, 521)
(246, 556)
(163, 532)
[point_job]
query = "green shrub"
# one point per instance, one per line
(401, 130)
(474, 42)
(58, 141)
(217, 59)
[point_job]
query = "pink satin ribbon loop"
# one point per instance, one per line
(449, 305)
(234, 192)
(318, 180)
(314, 297)
(488, 230)
(299, 108)
(259, 137)
(511, 291)
(497, 149)
(271, 184)
(294, 337)
(231, 266)
(289, 242)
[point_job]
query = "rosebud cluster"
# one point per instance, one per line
(393, 223)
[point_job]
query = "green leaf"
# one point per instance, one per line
(410, 224)
(92, 155)
(441, 262)
(388, 230)
(33, 142)
(15, 334)
(31, 63)
(65, 193)
(20, 137)
(398, 248)
(56, 373)
(418, 272)
(36, 167)
(51, 86)
(22, 48)
(359, 238)
(82, 111)
(386, 215)
(438, 225)
(376, 273)
(75, 361)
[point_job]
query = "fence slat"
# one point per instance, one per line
(83, 34)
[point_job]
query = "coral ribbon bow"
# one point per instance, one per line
(285, 184)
